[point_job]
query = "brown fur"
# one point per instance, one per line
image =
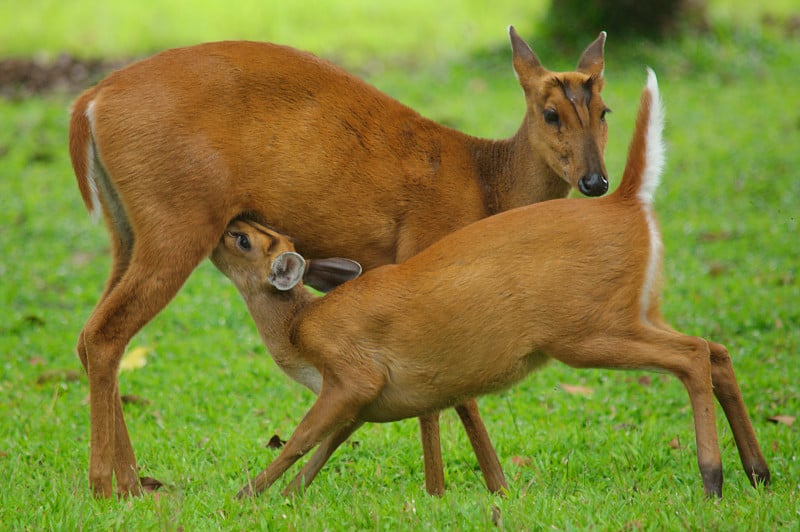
(480, 309)
(183, 142)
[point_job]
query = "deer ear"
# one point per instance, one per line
(591, 61)
(525, 62)
(287, 270)
(327, 274)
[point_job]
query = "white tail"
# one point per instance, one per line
(481, 308)
(174, 147)
(654, 155)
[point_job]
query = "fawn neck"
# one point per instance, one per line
(274, 314)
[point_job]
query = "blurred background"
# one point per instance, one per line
(52, 35)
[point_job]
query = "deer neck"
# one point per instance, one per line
(513, 174)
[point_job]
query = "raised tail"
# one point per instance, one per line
(645, 162)
(81, 151)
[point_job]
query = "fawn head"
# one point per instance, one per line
(255, 257)
(566, 116)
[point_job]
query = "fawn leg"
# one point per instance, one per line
(333, 410)
(688, 358)
(729, 396)
(321, 456)
(432, 453)
(482, 445)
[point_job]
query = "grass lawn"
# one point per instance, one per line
(601, 449)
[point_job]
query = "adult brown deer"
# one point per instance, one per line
(172, 148)
(480, 309)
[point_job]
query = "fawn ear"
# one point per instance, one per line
(287, 270)
(525, 62)
(592, 62)
(327, 274)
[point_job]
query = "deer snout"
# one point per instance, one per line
(593, 184)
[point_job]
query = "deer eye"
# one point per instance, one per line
(604, 113)
(551, 117)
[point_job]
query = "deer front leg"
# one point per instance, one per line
(478, 438)
(432, 453)
(334, 410)
(320, 457)
(482, 445)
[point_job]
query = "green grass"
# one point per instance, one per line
(211, 398)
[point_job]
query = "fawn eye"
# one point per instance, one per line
(551, 117)
(604, 113)
(242, 241)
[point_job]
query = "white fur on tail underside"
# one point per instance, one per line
(651, 176)
(654, 144)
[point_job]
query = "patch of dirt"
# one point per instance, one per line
(26, 77)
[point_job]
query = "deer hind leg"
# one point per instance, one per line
(121, 251)
(138, 288)
(688, 358)
(729, 396)
(124, 458)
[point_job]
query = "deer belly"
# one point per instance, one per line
(403, 397)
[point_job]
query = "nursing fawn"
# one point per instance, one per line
(570, 279)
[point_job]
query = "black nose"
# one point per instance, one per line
(593, 184)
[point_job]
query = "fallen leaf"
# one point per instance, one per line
(636, 524)
(66, 375)
(645, 380)
(81, 258)
(134, 359)
(521, 461)
(675, 443)
(497, 517)
(782, 420)
(715, 269)
(129, 399)
(36, 361)
(576, 390)
(149, 484)
(275, 442)
(158, 418)
(715, 236)
(32, 319)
